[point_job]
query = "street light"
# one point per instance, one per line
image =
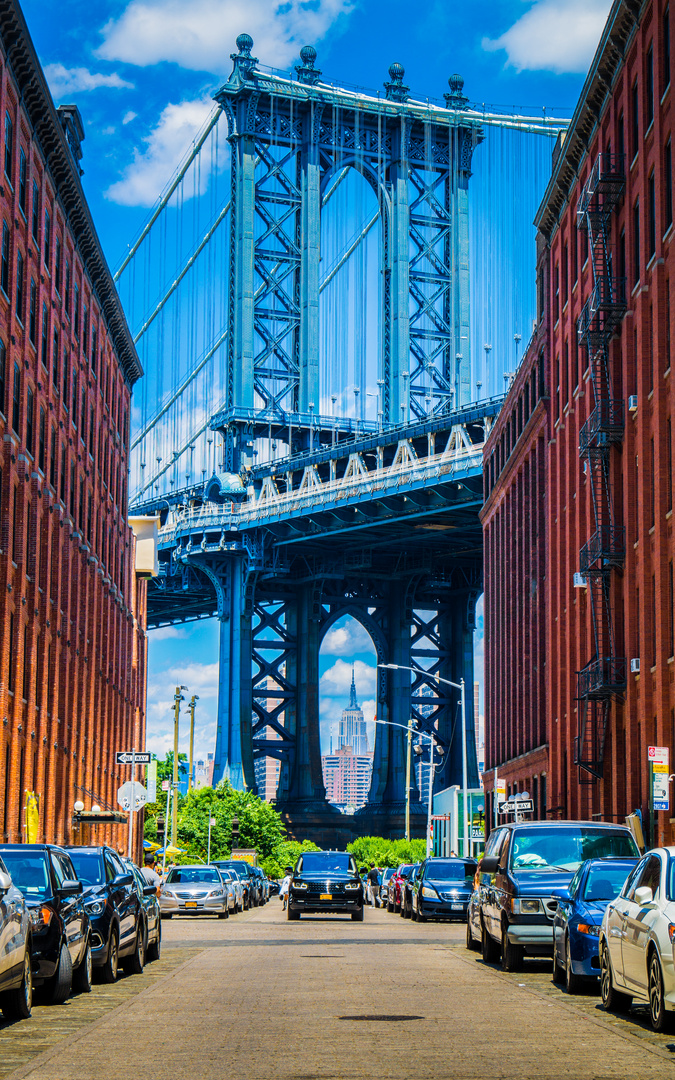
(177, 698)
(458, 686)
(191, 710)
(408, 762)
(419, 749)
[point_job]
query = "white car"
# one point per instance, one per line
(235, 887)
(636, 941)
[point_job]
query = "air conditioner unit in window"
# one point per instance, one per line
(579, 581)
(635, 665)
(632, 403)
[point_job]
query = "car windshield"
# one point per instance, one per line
(606, 882)
(387, 874)
(29, 873)
(88, 866)
(566, 847)
(326, 862)
(451, 871)
(186, 875)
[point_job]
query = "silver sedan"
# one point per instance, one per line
(195, 890)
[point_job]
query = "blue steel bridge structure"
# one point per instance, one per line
(300, 505)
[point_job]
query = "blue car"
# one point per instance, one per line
(578, 919)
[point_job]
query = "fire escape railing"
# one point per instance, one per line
(605, 674)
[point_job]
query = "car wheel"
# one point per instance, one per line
(612, 999)
(17, 1004)
(573, 982)
(135, 963)
(558, 973)
(512, 955)
(109, 968)
(224, 914)
(471, 943)
(390, 906)
(407, 910)
(82, 976)
(292, 916)
(660, 1019)
(489, 947)
(166, 915)
(413, 913)
(155, 949)
(357, 916)
(59, 986)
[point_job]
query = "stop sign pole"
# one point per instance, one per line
(131, 807)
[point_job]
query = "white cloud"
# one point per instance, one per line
(164, 632)
(554, 35)
(337, 680)
(347, 640)
(63, 80)
(201, 35)
(155, 163)
(129, 116)
(201, 679)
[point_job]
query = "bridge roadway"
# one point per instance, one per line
(259, 997)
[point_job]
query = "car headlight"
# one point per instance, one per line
(40, 917)
(299, 885)
(94, 907)
(430, 893)
(525, 907)
(353, 885)
(216, 892)
(167, 892)
(671, 932)
(591, 928)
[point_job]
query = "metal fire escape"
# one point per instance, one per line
(604, 676)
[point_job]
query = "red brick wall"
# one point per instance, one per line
(72, 669)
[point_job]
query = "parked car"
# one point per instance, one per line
(260, 880)
(326, 881)
(195, 890)
(407, 884)
(578, 920)
(637, 938)
(237, 888)
(149, 899)
(114, 909)
(387, 875)
(16, 980)
(394, 890)
(243, 870)
(442, 889)
(60, 928)
(473, 926)
(522, 865)
(274, 887)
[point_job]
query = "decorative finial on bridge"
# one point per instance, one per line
(396, 91)
(307, 73)
(456, 99)
(244, 63)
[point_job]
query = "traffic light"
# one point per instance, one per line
(160, 830)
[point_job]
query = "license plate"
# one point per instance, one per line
(191, 903)
(457, 907)
(326, 896)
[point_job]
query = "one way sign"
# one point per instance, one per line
(125, 757)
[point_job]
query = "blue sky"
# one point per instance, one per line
(142, 74)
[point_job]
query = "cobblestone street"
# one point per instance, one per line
(325, 998)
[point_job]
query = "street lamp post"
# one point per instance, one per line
(191, 710)
(408, 766)
(177, 698)
(458, 686)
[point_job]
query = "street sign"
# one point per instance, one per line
(212, 821)
(658, 755)
(125, 757)
(132, 795)
(659, 758)
(523, 806)
(166, 784)
(500, 788)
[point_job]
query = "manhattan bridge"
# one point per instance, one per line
(311, 425)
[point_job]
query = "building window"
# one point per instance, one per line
(65, 378)
(30, 409)
(35, 219)
(72, 490)
(94, 346)
(44, 351)
(74, 410)
(62, 481)
(19, 286)
(575, 253)
(671, 610)
(52, 460)
(55, 360)
(32, 314)
(3, 362)
(556, 293)
(85, 329)
(41, 440)
(57, 265)
(67, 290)
(91, 433)
(651, 195)
(652, 492)
(83, 415)
(649, 88)
(80, 519)
(635, 119)
(23, 193)
(669, 462)
(565, 274)
(16, 401)
(9, 146)
(15, 523)
(48, 239)
(10, 674)
(636, 242)
(76, 311)
(620, 143)
(89, 517)
(668, 186)
(665, 37)
(653, 634)
(25, 690)
(667, 290)
(4, 260)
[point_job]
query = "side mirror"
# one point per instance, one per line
(71, 888)
(644, 896)
(560, 894)
(123, 879)
(5, 883)
(489, 864)
(149, 890)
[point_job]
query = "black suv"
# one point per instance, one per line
(522, 865)
(326, 881)
(60, 929)
(115, 909)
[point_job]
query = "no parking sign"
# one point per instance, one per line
(658, 757)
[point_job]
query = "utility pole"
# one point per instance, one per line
(191, 710)
(177, 698)
(407, 780)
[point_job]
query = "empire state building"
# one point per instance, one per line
(353, 726)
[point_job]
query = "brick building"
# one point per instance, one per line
(72, 667)
(606, 224)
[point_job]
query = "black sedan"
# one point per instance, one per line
(114, 908)
(60, 928)
(442, 889)
(326, 881)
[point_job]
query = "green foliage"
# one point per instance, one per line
(383, 852)
(285, 855)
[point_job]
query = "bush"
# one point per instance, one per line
(383, 852)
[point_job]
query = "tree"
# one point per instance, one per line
(383, 852)
(286, 854)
